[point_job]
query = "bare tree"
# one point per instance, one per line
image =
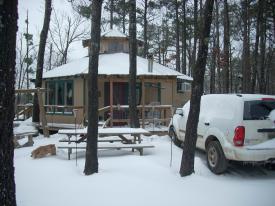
(8, 28)
(134, 122)
(40, 58)
(64, 31)
(188, 155)
(91, 162)
(20, 59)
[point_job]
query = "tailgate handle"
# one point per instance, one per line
(207, 123)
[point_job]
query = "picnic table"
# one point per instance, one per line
(128, 138)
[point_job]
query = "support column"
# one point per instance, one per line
(42, 114)
(143, 102)
(111, 101)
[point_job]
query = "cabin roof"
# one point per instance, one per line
(110, 64)
(185, 77)
(110, 34)
(113, 33)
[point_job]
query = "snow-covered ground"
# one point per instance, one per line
(125, 178)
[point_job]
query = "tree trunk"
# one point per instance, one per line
(187, 161)
(255, 65)
(124, 17)
(27, 53)
(134, 122)
(246, 73)
(50, 57)
(8, 28)
(262, 81)
(195, 36)
(272, 71)
(213, 66)
(226, 40)
(145, 29)
(177, 37)
(111, 14)
(218, 46)
(21, 59)
(184, 37)
(91, 162)
(230, 69)
(159, 46)
(269, 58)
(201, 8)
(40, 58)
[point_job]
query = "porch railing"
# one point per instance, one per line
(147, 114)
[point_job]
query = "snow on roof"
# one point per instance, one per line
(185, 77)
(110, 64)
(113, 33)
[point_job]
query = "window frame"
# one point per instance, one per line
(182, 86)
(64, 83)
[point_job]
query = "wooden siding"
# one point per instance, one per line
(169, 95)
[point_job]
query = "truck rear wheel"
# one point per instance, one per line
(216, 160)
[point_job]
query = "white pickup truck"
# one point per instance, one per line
(236, 127)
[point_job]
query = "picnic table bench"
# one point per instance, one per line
(105, 139)
(113, 146)
(20, 135)
(133, 142)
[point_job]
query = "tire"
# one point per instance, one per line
(215, 157)
(174, 137)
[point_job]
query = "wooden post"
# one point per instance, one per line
(143, 102)
(111, 101)
(42, 114)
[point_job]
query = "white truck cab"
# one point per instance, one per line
(231, 127)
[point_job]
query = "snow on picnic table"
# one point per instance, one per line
(125, 178)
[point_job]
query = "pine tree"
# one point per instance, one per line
(177, 36)
(133, 116)
(196, 28)
(226, 40)
(184, 37)
(91, 162)
(188, 155)
(246, 72)
(145, 23)
(262, 62)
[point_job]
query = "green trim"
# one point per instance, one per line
(59, 114)
(138, 92)
(63, 84)
(159, 92)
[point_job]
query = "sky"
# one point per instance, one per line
(36, 16)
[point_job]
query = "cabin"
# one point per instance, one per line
(159, 88)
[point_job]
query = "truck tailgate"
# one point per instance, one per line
(267, 145)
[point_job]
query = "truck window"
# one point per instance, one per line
(258, 109)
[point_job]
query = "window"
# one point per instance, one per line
(59, 93)
(258, 109)
(183, 86)
(115, 47)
